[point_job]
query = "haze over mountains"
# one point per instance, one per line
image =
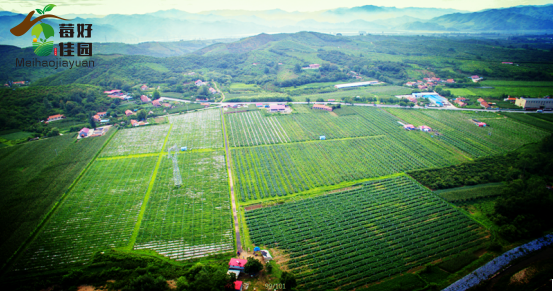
(175, 25)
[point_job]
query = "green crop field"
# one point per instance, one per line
(538, 120)
(368, 91)
(138, 140)
(100, 213)
(268, 171)
(17, 135)
(35, 175)
(458, 129)
(471, 192)
(196, 130)
(195, 219)
(355, 237)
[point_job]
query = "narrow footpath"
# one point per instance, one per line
(233, 201)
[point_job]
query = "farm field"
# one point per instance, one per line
(268, 171)
(354, 237)
(100, 213)
(459, 130)
(138, 140)
(34, 178)
(537, 120)
(195, 219)
(196, 130)
(253, 128)
(471, 192)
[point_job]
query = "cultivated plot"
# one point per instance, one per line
(359, 236)
(197, 130)
(253, 128)
(193, 220)
(278, 170)
(138, 140)
(99, 213)
(459, 129)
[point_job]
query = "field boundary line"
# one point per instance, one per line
(48, 215)
(128, 156)
(231, 188)
(146, 198)
(319, 191)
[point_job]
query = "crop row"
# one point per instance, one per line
(193, 220)
(138, 140)
(361, 235)
(279, 170)
(196, 130)
(99, 213)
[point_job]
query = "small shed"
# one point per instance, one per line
(425, 128)
(259, 105)
(481, 124)
(183, 149)
(409, 127)
(84, 132)
(238, 285)
(266, 255)
(322, 137)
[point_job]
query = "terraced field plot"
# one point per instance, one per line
(193, 220)
(100, 213)
(459, 130)
(138, 140)
(359, 236)
(197, 130)
(278, 170)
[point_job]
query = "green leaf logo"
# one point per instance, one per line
(49, 7)
(39, 11)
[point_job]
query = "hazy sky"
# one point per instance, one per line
(103, 7)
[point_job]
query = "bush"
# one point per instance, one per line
(147, 283)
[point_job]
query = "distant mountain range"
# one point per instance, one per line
(175, 25)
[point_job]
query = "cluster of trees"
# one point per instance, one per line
(25, 108)
(522, 211)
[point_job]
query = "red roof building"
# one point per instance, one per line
(134, 122)
(156, 103)
(128, 112)
(485, 104)
(238, 285)
(97, 118)
(450, 81)
(277, 108)
(55, 117)
(143, 87)
(480, 100)
(101, 114)
(409, 127)
(425, 128)
(145, 99)
(314, 66)
(84, 132)
(323, 107)
(460, 103)
(19, 82)
(112, 91)
(166, 105)
(461, 99)
(237, 264)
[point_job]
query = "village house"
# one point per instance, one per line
(84, 132)
(97, 118)
(323, 107)
(101, 114)
(277, 108)
(450, 81)
(145, 99)
(167, 105)
(156, 103)
(409, 127)
(143, 87)
(128, 112)
(134, 122)
(55, 117)
(205, 105)
(199, 83)
(212, 91)
(459, 102)
(237, 264)
(424, 128)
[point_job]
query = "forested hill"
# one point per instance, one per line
(512, 18)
